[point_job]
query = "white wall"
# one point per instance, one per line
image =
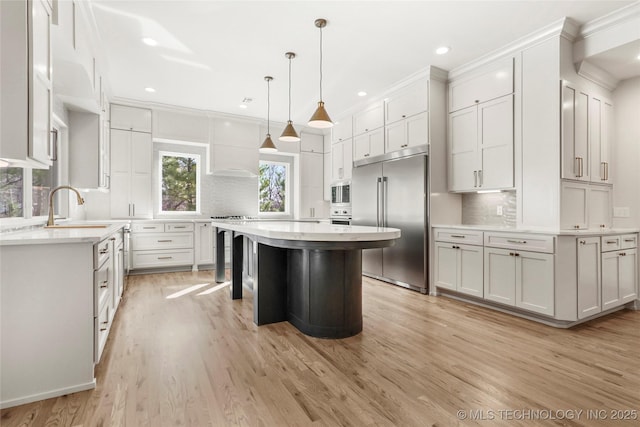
(626, 151)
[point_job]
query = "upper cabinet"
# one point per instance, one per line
(369, 120)
(26, 97)
(130, 118)
(311, 142)
(481, 129)
(407, 102)
(176, 126)
(342, 130)
(493, 81)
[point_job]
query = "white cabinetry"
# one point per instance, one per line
(204, 244)
(156, 244)
(342, 130)
(130, 174)
(481, 146)
(368, 144)
(459, 268)
(311, 143)
(585, 205)
(26, 96)
(234, 146)
(175, 126)
(406, 119)
(408, 132)
(311, 185)
(586, 135)
(130, 118)
(589, 277)
(492, 81)
(88, 150)
(619, 271)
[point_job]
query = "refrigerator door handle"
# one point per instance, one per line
(378, 200)
(384, 201)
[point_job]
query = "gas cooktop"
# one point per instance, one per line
(235, 217)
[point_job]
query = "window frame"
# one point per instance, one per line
(198, 158)
(288, 201)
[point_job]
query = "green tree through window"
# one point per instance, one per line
(272, 187)
(179, 183)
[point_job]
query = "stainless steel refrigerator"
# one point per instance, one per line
(393, 193)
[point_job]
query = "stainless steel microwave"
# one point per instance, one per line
(341, 193)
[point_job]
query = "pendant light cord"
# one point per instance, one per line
(289, 88)
(268, 105)
(320, 64)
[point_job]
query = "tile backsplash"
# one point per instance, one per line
(482, 209)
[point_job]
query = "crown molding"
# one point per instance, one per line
(609, 20)
(597, 75)
(565, 27)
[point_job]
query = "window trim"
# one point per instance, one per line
(198, 158)
(288, 202)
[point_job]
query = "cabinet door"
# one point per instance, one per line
(396, 136)
(407, 102)
(575, 134)
(463, 149)
(496, 143)
(342, 130)
(131, 118)
(589, 286)
(337, 161)
(361, 147)
(204, 244)
(535, 282)
(370, 119)
(347, 159)
(606, 129)
(574, 205)
(141, 196)
(628, 276)
(499, 276)
(120, 151)
(119, 195)
(470, 279)
(446, 265)
(599, 206)
(376, 142)
(611, 279)
(417, 130)
(311, 143)
(493, 81)
(327, 171)
(311, 169)
(595, 135)
(141, 152)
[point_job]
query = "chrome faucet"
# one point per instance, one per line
(80, 201)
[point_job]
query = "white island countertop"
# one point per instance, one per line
(309, 231)
(50, 236)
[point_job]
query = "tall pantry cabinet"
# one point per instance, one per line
(131, 154)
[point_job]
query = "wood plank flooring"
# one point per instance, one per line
(198, 360)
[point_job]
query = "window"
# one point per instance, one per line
(273, 187)
(179, 182)
(42, 182)
(11, 192)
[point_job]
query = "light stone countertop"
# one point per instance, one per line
(556, 232)
(309, 231)
(50, 236)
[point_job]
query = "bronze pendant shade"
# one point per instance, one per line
(320, 119)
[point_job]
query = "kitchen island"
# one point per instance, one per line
(307, 273)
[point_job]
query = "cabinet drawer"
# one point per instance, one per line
(162, 241)
(525, 242)
(152, 259)
(459, 236)
(629, 241)
(102, 326)
(101, 252)
(612, 243)
(147, 227)
(102, 280)
(179, 226)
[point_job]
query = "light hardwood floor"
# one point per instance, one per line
(198, 360)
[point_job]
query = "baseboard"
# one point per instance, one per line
(47, 395)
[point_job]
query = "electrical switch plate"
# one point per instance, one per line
(499, 210)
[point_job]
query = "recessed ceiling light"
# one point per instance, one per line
(638, 57)
(149, 41)
(149, 89)
(442, 50)
(242, 105)
(362, 93)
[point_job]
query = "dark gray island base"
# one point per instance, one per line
(315, 285)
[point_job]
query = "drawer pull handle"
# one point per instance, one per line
(104, 251)
(103, 329)
(511, 254)
(517, 254)
(629, 240)
(180, 226)
(165, 257)
(455, 247)
(149, 228)
(520, 242)
(458, 236)
(612, 242)
(165, 241)
(622, 254)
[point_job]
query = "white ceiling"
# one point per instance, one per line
(212, 54)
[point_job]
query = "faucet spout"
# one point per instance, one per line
(78, 196)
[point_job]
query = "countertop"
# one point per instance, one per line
(49, 236)
(309, 231)
(556, 232)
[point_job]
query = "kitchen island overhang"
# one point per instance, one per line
(309, 274)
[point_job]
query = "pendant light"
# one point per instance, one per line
(320, 118)
(289, 134)
(268, 146)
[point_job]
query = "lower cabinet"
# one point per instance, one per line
(589, 277)
(459, 268)
(619, 274)
(156, 245)
(204, 244)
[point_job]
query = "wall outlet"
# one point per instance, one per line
(499, 210)
(621, 212)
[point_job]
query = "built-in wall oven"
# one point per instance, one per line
(341, 203)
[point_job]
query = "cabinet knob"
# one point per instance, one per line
(404, 115)
(477, 101)
(583, 242)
